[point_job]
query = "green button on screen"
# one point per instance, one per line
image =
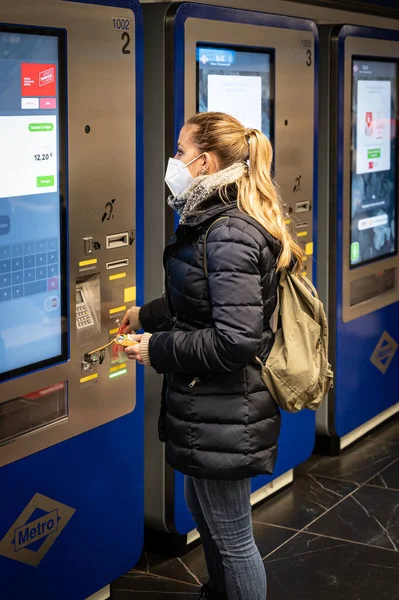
(355, 251)
(374, 153)
(45, 181)
(41, 127)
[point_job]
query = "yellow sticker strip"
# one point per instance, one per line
(309, 249)
(288, 222)
(113, 331)
(117, 309)
(89, 378)
(302, 234)
(117, 368)
(86, 263)
(129, 294)
(117, 276)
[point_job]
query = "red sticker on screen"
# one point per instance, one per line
(38, 80)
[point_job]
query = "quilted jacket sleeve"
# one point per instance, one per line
(234, 280)
(154, 316)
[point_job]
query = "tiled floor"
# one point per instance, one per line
(333, 535)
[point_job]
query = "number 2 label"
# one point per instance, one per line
(122, 26)
(126, 38)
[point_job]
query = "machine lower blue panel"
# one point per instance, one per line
(100, 475)
(296, 444)
(183, 519)
(361, 390)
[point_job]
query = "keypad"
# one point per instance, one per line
(83, 317)
(29, 268)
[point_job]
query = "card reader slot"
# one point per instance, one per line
(117, 264)
(117, 240)
(302, 207)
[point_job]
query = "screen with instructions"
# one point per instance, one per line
(237, 82)
(32, 203)
(374, 184)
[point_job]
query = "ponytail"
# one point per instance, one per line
(257, 195)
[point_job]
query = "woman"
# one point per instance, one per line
(218, 420)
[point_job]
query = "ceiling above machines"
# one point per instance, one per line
(373, 13)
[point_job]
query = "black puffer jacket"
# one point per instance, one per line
(219, 421)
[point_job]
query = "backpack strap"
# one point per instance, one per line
(310, 285)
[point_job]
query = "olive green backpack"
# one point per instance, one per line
(297, 372)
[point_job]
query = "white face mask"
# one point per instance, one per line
(177, 176)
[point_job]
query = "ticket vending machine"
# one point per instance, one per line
(358, 258)
(71, 421)
(260, 68)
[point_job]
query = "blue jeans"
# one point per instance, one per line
(222, 512)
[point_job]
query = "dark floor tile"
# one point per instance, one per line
(358, 463)
(165, 567)
(137, 582)
(370, 516)
(195, 561)
(388, 478)
(386, 433)
(308, 498)
(309, 567)
(267, 539)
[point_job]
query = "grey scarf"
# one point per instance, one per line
(193, 200)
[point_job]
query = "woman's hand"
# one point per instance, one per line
(133, 352)
(131, 321)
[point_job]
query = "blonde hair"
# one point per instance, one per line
(257, 194)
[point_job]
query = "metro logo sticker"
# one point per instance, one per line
(38, 80)
(36, 529)
(384, 352)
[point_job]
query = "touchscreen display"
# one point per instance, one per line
(374, 160)
(237, 82)
(32, 200)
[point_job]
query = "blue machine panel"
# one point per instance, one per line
(362, 391)
(77, 497)
(298, 431)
